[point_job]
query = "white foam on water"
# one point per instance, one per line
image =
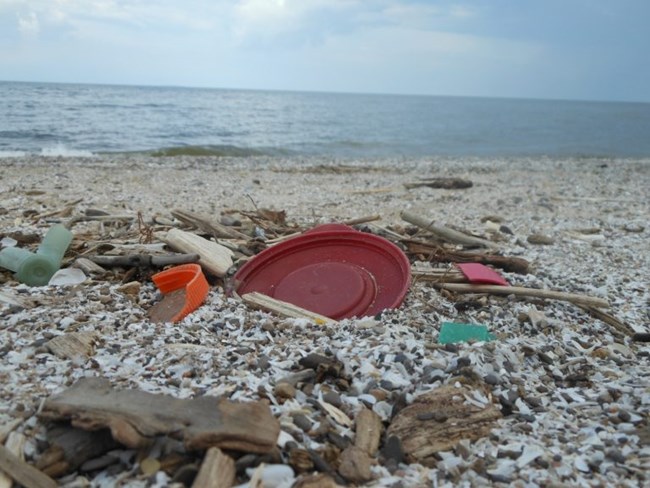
(62, 150)
(12, 154)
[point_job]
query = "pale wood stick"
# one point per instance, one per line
(16, 444)
(284, 309)
(23, 473)
(217, 470)
(446, 233)
(8, 428)
(525, 292)
(215, 258)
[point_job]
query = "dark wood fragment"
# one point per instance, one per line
(441, 183)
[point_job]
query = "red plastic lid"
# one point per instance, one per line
(332, 270)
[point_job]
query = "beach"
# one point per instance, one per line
(572, 391)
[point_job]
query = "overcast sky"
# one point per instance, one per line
(568, 49)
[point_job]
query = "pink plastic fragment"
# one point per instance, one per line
(479, 274)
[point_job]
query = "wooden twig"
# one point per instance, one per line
(23, 473)
(447, 233)
(145, 260)
(439, 275)
(610, 320)
(217, 470)
(259, 300)
(362, 220)
(441, 183)
(208, 224)
(525, 292)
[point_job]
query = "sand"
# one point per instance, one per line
(574, 393)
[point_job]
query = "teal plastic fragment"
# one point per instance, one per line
(451, 332)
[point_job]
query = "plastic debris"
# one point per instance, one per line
(451, 332)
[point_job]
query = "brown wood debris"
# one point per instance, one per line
(136, 417)
(440, 419)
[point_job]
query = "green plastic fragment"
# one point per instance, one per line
(451, 332)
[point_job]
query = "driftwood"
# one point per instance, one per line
(8, 428)
(446, 233)
(439, 254)
(23, 473)
(145, 260)
(215, 258)
(209, 225)
(284, 309)
(136, 417)
(525, 292)
(440, 419)
(217, 470)
(441, 183)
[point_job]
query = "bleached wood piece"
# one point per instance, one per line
(441, 275)
(23, 473)
(368, 431)
(8, 428)
(217, 470)
(215, 258)
(89, 267)
(446, 233)
(526, 292)
(16, 444)
(285, 309)
(73, 345)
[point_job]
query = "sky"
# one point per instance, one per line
(549, 49)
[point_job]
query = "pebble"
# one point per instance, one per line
(333, 398)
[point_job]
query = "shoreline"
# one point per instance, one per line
(574, 388)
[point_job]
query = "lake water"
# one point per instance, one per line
(75, 119)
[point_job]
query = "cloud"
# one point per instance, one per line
(28, 24)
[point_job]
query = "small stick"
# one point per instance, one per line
(145, 260)
(208, 224)
(362, 220)
(446, 233)
(621, 327)
(284, 309)
(526, 292)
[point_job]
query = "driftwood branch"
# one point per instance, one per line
(525, 292)
(208, 224)
(284, 309)
(446, 233)
(145, 260)
(610, 320)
